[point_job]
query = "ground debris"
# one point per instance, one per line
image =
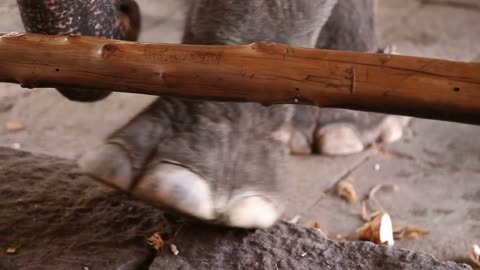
(16, 146)
(295, 219)
(341, 237)
(378, 230)
(11, 250)
(375, 189)
(156, 241)
(346, 191)
(475, 255)
(174, 249)
(366, 216)
(409, 232)
(316, 225)
(14, 126)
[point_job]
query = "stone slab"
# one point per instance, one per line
(58, 219)
(441, 144)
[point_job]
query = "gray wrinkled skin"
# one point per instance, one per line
(296, 23)
(235, 147)
(117, 19)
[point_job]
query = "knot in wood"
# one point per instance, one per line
(108, 50)
(271, 47)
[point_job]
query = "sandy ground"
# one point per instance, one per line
(437, 168)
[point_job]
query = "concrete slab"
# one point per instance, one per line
(162, 20)
(435, 31)
(313, 176)
(10, 21)
(442, 144)
(46, 129)
(444, 201)
(455, 3)
(392, 14)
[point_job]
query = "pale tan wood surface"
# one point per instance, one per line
(261, 72)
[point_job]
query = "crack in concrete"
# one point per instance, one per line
(402, 20)
(344, 175)
(432, 165)
(141, 262)
(451, 3)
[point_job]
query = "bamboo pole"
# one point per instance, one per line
(262, 72)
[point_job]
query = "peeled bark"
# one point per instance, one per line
(262, 72)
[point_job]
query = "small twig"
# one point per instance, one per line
(366, 216)
(364, 212)
(375, 189)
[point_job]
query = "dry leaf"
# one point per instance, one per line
(14, 126)
(156, 241)
(378, 230)
(174, 249)
(11, 250)
(398, 231)
(409, 232)
(415, 232)
(346, 191)
(475, 255)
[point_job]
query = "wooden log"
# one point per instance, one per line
(262, 72)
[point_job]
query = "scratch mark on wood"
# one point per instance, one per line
(354, 78)
(316, 78)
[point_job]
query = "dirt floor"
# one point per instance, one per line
(436, 168)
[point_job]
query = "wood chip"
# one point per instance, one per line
(156, 241)
(11, 250)
(346, 191)
(174, 249)
(378, 230)
(14, 126)
(475, 255)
